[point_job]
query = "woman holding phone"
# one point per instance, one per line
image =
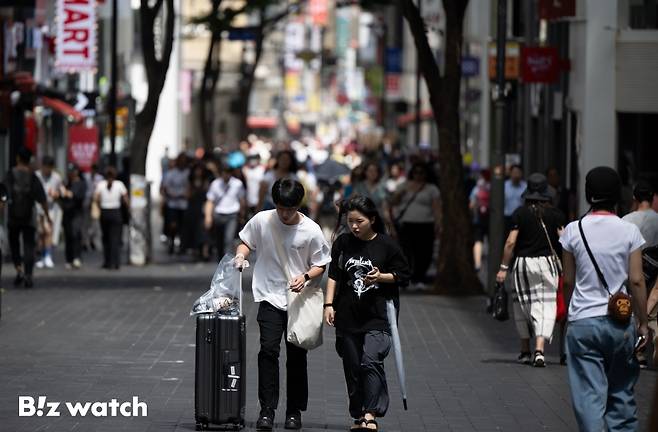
(367, 267)
(601, 252)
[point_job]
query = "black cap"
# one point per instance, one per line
(602, 186)
(643, 191)
(537, 189)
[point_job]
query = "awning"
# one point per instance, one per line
(262, 122)
(70, 113)
(405, 119)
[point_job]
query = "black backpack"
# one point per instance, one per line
(21, 198)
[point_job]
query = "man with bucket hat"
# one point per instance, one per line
(532, 241)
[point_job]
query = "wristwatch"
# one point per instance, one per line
(326, 305)
(307, 277)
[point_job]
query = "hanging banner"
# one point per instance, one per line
(83, 146)
(539, 64)
(76, 35)
(555, 9)
(319, 11)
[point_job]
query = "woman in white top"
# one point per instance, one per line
(109, 195)
(601, 350)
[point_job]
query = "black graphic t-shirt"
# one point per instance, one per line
(360, 307)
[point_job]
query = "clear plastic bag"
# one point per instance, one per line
(223, 297)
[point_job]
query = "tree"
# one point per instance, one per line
(156, 73)
(211, 73)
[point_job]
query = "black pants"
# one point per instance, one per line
(418, 245)
(72, 222)
(363, 357)
(225, 227)
(111, 225)
(28, 233)
(273, 323)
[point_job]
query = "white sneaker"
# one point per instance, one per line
(39, 264)
(68, 266)
(48, 262)
(76, 263)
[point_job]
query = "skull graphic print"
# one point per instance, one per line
(358, 268)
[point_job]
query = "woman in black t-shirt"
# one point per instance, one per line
(533, 241)
(367, 267)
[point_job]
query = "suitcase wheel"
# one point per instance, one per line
(201, 426)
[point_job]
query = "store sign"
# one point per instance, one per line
(319, 11)
(539, 64)
(470, 66)
(554, 9)
(512, 60)
(76, 35)
(83, 146)
(393, 87)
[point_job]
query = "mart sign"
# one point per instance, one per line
(76, 35)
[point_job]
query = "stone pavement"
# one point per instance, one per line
(94, 335)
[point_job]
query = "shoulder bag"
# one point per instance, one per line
(619, 304)
(561, 311)
(305, 313)
(396, 220)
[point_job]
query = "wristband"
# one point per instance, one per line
(504, 267)
(239, 255)
(326, 305)
(307, 277)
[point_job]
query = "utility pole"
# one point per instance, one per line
(497, 161)
(112, 106)
(418, 105)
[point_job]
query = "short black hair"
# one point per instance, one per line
(48, 161)
(643, 191)
(513, 166)
(287, 192)
(24, 155)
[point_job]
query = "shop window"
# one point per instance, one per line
(643, 14)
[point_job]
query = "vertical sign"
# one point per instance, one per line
(83, 146)
(319, 11)
(76, 35)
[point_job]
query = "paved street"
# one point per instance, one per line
(94, 335)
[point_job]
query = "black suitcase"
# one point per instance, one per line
(220, 383)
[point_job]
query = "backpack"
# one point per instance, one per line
(482, 196)
(21, 199)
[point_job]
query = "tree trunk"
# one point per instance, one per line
(156, 73)
(248, 78)
(211, 73)
(456, 275)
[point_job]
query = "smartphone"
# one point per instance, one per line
(639, 342)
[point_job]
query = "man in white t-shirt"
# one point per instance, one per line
(49, 232)
(253, 173)
(225, 206)
(307, 256)
(645, 218)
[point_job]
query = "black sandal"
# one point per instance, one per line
(369, 422)
(358, 423)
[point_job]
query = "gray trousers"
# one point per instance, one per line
(363, 357)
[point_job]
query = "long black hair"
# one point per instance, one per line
(363, 205)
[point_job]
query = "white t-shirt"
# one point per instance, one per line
(175, 185)
(647, 222)
(253, 177)
(303, 243)
(226, 196)
(612, 241)
(51, 184)
(111, 198)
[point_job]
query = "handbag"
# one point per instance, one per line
(500, 311)
(305, 312)
(619, 304)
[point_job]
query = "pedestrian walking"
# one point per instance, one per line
(479, 206)
(253, 173)
(174, 190)
(417, 221)
(533, 238)
(514, 188)
(49, 232)
(25, 190)
(225, 207)
(72, 196)
(91, 225)
(601, 254)
(367, 268)
(110, 194)
(371, 185)
(308, 254)
(195, 235)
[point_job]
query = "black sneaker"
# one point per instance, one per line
(28, 282)
(18, 280)
(539, 360)
(524, 358)
(293, 421)
(265, 420)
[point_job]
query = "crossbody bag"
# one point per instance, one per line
(619, 304)
(556, 259)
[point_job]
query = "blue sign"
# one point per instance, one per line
(242, 34)
(393, 60)
(470, 66)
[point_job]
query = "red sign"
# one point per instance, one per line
(554, 9)
(83, 146)
(539, 64)
(319, 11)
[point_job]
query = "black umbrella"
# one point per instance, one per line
(330, 171)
